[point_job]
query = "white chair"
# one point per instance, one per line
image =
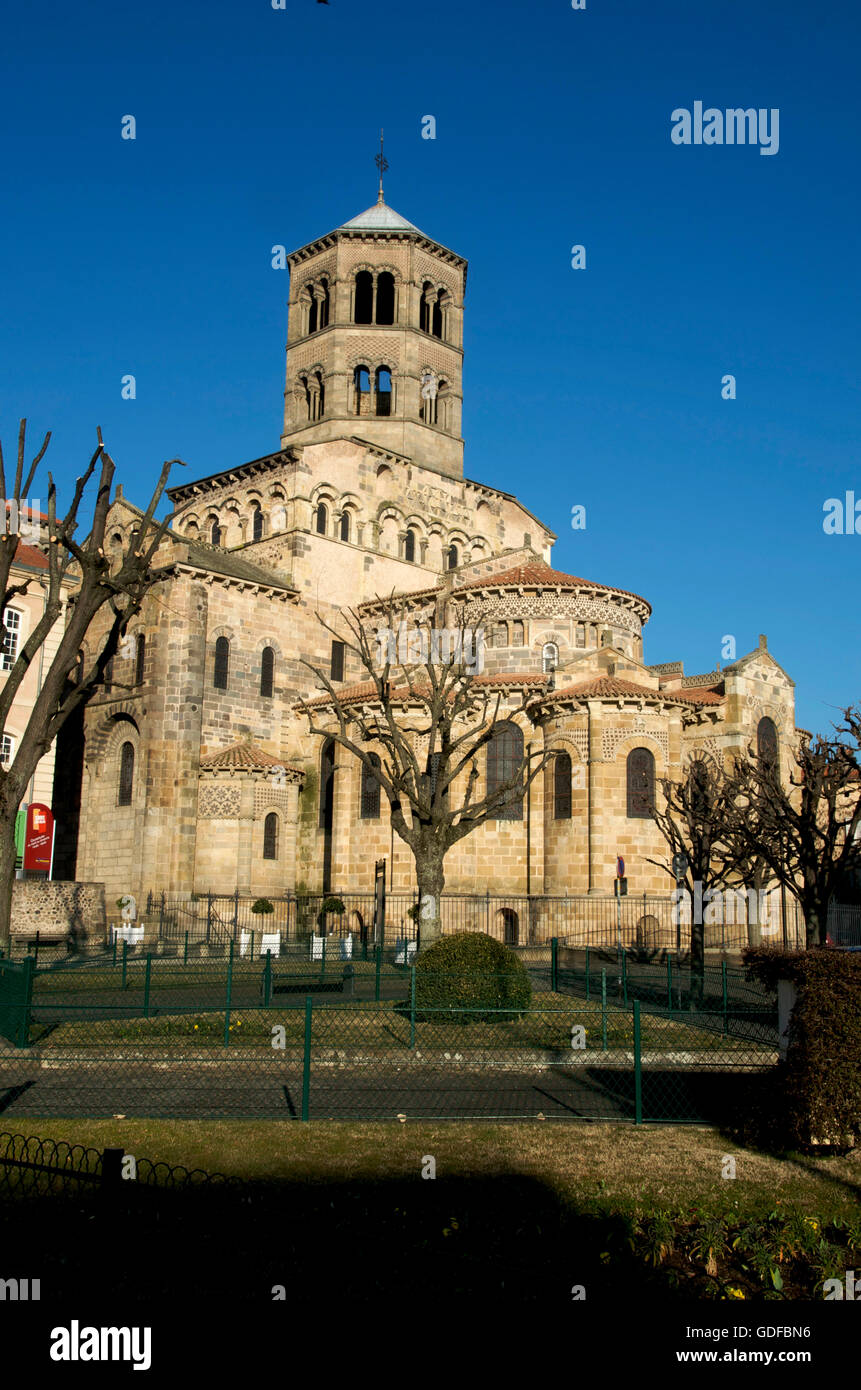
(271, 942)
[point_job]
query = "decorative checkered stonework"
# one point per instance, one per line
(268, 795)
(550, 605)
(611, 738)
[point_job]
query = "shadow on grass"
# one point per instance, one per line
(356, 1242)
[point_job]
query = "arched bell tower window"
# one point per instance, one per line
(362, 388)
(215, 534)
(364, 297)
(257, 524)
(383, 391)
(324, 303)
(425, 307)
(385, 297)
(410, 545)
(641, 783)
(312, 312)
(345, 526)
(436, 319)
(766, 743)
(321, 519)
(452, 558)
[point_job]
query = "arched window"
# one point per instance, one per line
(384, 391)
(425, 306)
(436, 318)
(562, 787)
(641, 783)
(345, 526)
(364, 299)
(504, 757)
(321, 519)
(270, 836)
(267, 671)
(140, 659)
(410, 545)
(327, 777)
(766, 743)
(385, 297)
(370, 800)
(127, 774)
(325, 303)
(222, 663)
(549, 656)
(319, 396)
(452, 558)
(312, 311)
(362, 388)
(257, 524)
(517, 635)
(215, 534)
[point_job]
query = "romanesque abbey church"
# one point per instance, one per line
(193, 770)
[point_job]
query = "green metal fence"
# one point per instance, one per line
(16, 986)
(321, 1039)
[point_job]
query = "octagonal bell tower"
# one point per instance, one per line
(375, 340)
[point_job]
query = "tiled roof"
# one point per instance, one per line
(352, 694)
(240, 756)
(30, 556)
(700, 694)
(612, 688)
(212, 557)
(540, 574)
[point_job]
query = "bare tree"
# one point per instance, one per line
(806, 831)
(437, 697)
(83, 569)
(694, 824)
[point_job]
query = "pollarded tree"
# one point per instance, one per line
(807, 829)
(694, 824)
(93, 581)
(426, 687)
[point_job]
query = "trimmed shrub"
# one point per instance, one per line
(262, 905)
(818, 1096)
(471, 970)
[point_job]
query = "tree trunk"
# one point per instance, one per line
(431, 881)
(815, 924)
(7, 878)
(698, 962)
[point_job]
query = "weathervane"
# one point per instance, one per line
(382, 164)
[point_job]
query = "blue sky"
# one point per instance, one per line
(599, 387)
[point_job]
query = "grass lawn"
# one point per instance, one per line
(527, 1209)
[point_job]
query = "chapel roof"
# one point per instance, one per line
(242, 756)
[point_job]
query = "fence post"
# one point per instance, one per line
(587, 973)
(625, 978)
(603, 1010)
(724, 991)
(185, 949)
(638, 1073)
(36, 952)
(229, 992)
(323, 955)
(125, 960)
(267, 981)
(112, 1170)
(146, 986)
(114, 961)
(412, 1007)
(669, 981)
(306, 1064)
(379, 962)
(23, 1038)
(208, 913)
(235, 910)
(161, 917)
(554, 964)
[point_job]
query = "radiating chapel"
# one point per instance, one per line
(193, 769)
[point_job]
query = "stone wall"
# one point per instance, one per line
(58, 909)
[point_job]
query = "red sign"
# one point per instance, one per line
(39, 837)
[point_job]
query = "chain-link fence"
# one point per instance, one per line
(309, 1037)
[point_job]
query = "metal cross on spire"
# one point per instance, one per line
(382, 164)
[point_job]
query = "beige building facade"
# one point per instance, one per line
(197, 771)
